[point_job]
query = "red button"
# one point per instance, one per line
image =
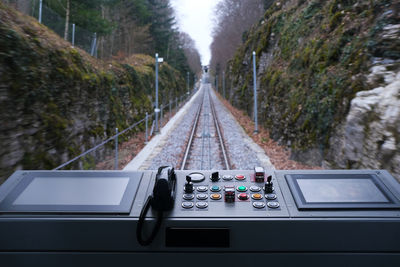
(243, 196)
(240, 177)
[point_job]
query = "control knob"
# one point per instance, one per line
(269, 185)
(189, 185)
(214, 177)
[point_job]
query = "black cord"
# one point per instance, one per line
(139, 228)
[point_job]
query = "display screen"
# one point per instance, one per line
(73, 191)
(340, 190)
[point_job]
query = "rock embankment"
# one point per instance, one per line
(56, 101)
(370, 135)
(328, 80)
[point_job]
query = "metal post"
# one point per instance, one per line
(216, 82)
(147, 127)
(176, 104)
(161, 114)
(40, 10)
(170, 104)
(156, 108)
(73, 34)
(92, 50)
(223, 83)
(187, 74)
(255, 93)
(116, 149)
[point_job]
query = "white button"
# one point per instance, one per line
(227, 177)
(258, 205)
(188, 196)
(255, 188)
(202, 205)
(273, 205)
(202, 188)
(270, 196)
(202, 196)
(187, 205)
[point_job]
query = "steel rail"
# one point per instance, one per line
(189, 144)
(220, 137)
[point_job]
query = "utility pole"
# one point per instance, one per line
(187, 73)
(73, 34)
(255, 93)
(156, 110)
(223, 83)
(40, 10)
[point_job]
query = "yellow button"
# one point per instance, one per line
(216, 196)
(256, 196)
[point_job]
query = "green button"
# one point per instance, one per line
(242, 188)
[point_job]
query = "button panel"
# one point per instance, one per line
(232, 189)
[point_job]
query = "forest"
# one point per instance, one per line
(123, 28)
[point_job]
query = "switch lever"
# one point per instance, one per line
(269, 185)
(215, 177)
(189, 185)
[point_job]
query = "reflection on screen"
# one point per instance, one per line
(73, 191)
(340, 190)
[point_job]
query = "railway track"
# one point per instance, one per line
(205, 149)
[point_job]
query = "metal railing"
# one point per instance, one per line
(178, 102)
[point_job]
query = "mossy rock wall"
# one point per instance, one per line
(312, 59)
(56, 101)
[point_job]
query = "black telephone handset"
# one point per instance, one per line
(164, 189)
(161, 200)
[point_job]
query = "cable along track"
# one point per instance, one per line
(205, 149)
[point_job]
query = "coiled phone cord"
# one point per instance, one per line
(139, 228)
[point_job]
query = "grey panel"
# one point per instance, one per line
(383, 176)
(73, 191)
(183, 259)
(282, 235)
(70, 192)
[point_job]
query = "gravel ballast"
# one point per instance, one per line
(243, 153)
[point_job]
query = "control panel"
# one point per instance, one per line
(170, 213)
(229, 193)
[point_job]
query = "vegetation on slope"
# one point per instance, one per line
(56, 101)
(312, 57)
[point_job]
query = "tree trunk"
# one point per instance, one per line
(66, 21)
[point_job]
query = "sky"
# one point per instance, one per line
(195, 17)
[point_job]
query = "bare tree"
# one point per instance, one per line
(233, 19)
(67, 12)
(191, 53)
